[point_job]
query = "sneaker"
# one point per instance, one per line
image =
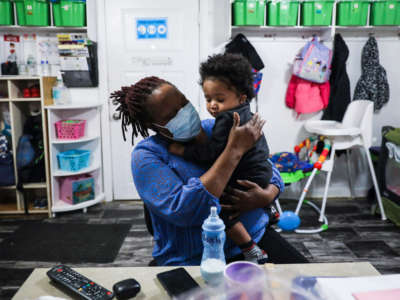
(273, 215)
(256, 255)
(43, 203)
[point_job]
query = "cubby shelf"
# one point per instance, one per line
(12, 201)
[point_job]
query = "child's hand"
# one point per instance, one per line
(176, 149)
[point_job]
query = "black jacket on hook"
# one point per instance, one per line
(373, 84)
(241, 45)
(339, 80)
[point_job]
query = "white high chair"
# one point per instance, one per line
(354, 130)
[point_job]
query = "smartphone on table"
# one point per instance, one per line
(177, 281)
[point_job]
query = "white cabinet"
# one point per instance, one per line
(90, 141)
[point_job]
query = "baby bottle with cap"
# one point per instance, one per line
(213, 260)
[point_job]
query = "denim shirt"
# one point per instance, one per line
(178, 202)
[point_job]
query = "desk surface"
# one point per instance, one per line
(38, 283)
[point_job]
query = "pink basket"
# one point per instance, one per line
(70, 129)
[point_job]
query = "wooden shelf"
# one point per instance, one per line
(9, 208)
(61, 206)
(92, 168)
(28, 186)
(12, 86)
(9, 187)
(36, 210)
(39, 185)
(18, 77)
(25, 99)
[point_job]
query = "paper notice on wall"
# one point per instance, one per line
(74, 64)
(12, 51)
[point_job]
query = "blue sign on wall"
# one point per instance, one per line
(152, 28)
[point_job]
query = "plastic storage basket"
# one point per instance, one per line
(70, 129)
(385, 13)
(6, 12)
(69, 13)
(316, 13)
(248, 12)
(73, 160)
(282, 13)
(33, 12)
(352, 13)
(77, 189)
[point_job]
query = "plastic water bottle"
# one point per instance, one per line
(213, 260)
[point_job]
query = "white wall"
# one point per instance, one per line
(284, 130)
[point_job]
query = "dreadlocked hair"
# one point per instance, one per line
(132, 105)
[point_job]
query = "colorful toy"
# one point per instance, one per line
(293, 169)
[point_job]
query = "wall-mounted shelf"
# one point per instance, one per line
(326, 32)
(43, 29)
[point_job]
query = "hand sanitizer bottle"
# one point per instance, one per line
(213, 260)
(60, 92)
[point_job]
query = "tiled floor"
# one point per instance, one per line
(353, 235)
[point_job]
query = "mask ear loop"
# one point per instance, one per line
(163, 128)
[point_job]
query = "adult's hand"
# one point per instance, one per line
(252, 198)
(244, 137)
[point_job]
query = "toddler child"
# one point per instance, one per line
(227, 82)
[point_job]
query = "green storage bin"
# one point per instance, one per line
(33, 12)
(316, 12)
(69, 13)
(352, 13)
(282, 13)
(248, 12)
(385, 13)
(6, 13)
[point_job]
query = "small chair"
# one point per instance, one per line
(354, 130)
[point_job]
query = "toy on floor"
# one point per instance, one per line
(293, 169)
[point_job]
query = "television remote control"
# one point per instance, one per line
(78, 283)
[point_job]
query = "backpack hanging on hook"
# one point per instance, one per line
(313, 62)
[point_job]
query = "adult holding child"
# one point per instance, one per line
(179, 193)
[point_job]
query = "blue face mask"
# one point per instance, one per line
(185, 125)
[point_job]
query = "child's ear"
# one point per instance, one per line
(242, 98)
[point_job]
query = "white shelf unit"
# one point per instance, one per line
(326, 32)
(90, 141)
(12, 201)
